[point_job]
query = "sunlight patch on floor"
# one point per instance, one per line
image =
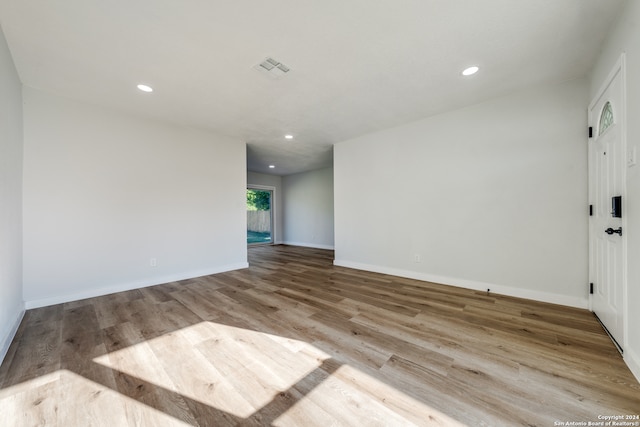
(231, 369)
(349, 396)
(27, 385)
(64, 398)
(212, 366)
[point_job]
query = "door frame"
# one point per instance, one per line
(618, 68)
(273, 210)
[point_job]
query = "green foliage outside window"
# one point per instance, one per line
(258, 200)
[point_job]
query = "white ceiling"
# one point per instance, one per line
(356, 65)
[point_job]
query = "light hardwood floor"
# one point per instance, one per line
(296, 341)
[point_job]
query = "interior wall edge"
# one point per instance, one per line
(44, 302)
(11, 333)
(632, 360)
(471, 284)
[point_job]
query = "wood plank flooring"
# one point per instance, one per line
(296, 341)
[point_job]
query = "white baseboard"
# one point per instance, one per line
(131, 285)
(470, 284)
(10, 335)
(309, 245)
(632, 360)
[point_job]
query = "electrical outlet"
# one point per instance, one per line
(153, 262)
(631, 157)
(417, 258)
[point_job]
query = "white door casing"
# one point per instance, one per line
(607, 178)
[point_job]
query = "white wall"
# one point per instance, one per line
(626, 38)
(11, 304)
(308, 209)
(275, 181)
(490, 196)
(104, 192)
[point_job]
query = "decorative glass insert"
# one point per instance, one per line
(606, 118)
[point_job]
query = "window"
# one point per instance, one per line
(259, 216)
(606, 118)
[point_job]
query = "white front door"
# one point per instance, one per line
(607, 171)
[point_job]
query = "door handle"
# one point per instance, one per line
(610, 231)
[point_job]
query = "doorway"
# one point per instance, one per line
(607, 199)
(260, 215)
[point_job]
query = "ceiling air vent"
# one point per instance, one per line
(272, 67)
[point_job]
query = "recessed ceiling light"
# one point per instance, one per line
(469, 71)
(288, 136)
(145, 88)
(271, 166)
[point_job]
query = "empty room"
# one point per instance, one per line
(314, 213)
